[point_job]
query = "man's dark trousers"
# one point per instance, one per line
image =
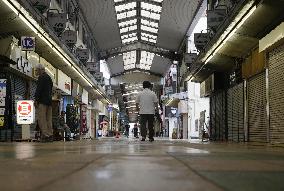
(144, 119)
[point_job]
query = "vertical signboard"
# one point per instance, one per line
(3, 86)
(25, 112)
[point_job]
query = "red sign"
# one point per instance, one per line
(24, 108)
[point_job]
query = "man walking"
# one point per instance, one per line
(146, 102)
(43, 103)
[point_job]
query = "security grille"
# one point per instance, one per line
(218, 119)
(276, 93)
(19, 92)
(256, 109)
(235, 113)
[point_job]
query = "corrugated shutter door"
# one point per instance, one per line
(235, 113)
(212, 117)
(19, 89)
(241, 132)
(256, 109)
(276, 94)
(230, 113)
(33, 86)
(218, 116)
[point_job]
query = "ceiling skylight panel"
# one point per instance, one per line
(127, 23)
(149, 29)
(117, 1)
(148, 35)
(153, 40)
(151, 15)
(149, 23)
(129, 40)
(127, 29)
(126, 14)
(159, 1)
(151, 7)
(146, 60)
(124, 7)
(129, 35)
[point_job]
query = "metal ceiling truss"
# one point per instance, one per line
(139, 46)
(134, 70)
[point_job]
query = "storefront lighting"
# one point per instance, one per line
(40, 32)
(243, 15)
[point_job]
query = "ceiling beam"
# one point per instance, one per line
(139, 46)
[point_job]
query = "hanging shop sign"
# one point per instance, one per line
(49, 69)
(85, 98)
(57, 20)
(3, 84)
(25, 112)
(22, 64)
(41, 5)
(93, 66)
(215, 18)
(82, 54)
(69, 37)
(28, 43)
(168, 90)
(200, 40)
(64, 82)
(189, 58)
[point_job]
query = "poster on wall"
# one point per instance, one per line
(25, 112)
(2, 100)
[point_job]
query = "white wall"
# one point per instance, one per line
(172, 124)
(195, 106)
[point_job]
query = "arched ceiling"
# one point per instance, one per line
(140, 35)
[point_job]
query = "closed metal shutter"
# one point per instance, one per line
(276, 94)
(19, 91)
(241, 110)
(235, 113)
(218, 116)
(257, 126)
(230, 113)
(33, 86)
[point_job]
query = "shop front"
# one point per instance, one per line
(16, 83)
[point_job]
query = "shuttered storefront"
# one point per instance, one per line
(19, 92)
(235, 113)
(257, 126)
(276, 95)
(218, 116)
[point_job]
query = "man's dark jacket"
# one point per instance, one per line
(43, 93)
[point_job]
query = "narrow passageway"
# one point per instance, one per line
(128, 164)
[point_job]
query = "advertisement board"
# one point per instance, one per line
(25, 112)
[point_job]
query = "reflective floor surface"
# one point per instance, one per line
(131, 165)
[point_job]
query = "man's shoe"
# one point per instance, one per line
(151, 139)
(143, 139)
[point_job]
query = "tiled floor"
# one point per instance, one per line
(129, 165)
